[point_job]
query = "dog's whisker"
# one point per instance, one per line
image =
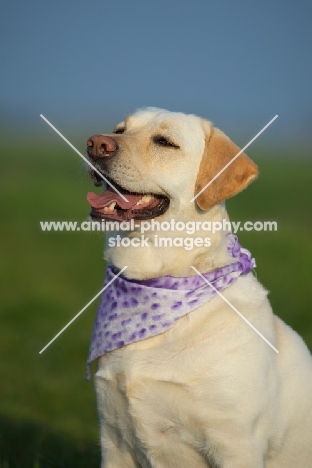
(82, 156)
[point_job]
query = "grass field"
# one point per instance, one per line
(47, 411)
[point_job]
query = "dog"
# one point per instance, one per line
(206, 390)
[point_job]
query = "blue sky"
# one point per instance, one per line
(85, 65)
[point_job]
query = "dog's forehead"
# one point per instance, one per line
(155, 119)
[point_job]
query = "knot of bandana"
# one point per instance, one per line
(133, 310)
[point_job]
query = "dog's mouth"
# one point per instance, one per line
(111, 205)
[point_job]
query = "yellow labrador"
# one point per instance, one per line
(187, 383)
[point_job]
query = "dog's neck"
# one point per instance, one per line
(152, 261)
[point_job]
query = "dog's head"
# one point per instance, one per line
(156, 161)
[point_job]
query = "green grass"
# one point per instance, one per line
(47, 411)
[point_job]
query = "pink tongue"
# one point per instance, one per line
(108, 197)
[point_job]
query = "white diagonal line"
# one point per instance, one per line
(237, 311)
(83, 157)
(227, 165)
(82, 310)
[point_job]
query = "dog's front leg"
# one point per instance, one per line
(115, 453)
(246, 455)
(113, 417)
(176, 453)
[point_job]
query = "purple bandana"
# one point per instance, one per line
(132, 310)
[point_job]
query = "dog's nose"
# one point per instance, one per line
(101, 146)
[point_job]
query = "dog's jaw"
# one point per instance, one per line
(150, 261)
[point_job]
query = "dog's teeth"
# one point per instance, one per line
(110, 207)
(145, 199)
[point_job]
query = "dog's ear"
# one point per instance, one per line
(219, 151)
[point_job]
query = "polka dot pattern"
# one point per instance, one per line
(133, 310)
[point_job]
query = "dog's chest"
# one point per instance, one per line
(149, 413)
(158, 387)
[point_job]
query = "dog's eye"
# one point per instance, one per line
(119, 130)
(162, 141)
